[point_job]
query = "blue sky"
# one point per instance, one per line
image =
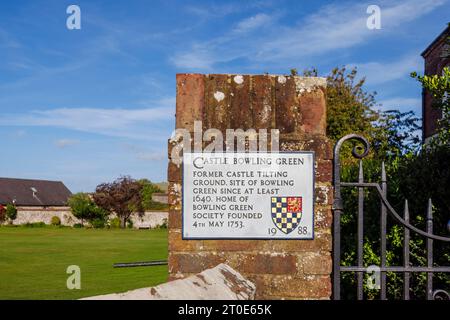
(85, 106)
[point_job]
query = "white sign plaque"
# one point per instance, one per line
(248, 195)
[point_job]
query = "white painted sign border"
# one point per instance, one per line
(184, 237)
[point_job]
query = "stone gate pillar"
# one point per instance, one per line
(289, 269)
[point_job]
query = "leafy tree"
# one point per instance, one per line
(439, 87)
(397, 134)
(11, 212)
(415, 177)
(84, 208)
(121, 197)
(394, 138)
(148, 188)
(351, 109)
(428, 168)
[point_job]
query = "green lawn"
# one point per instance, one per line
(33, 261)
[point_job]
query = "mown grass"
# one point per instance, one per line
(33, 261)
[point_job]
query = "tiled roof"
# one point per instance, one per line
(25, 192)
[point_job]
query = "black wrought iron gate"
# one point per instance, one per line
(360, 269)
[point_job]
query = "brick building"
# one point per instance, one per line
(436, 57)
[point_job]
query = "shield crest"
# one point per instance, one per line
(286, 213)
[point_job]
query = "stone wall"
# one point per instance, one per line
(290, 269)
(151, 219)
(160, 197)
(45, 214)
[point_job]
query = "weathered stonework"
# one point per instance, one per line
(281, 269)
(150, 219)
(44, 214)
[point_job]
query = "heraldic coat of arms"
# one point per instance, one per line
(286, 213)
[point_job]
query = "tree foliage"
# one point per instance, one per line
(439, 87)
(412, 173)
(84, 208)
(351, 109)
(121, 197)
(349, 106)
(148, 188)
(11, 212)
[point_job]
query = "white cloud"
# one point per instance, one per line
(340, 26)
(253, 22)
(63, 143)
(209, 11)
(382, 72)
(332, 27)
(203, 55)
(212, 11)
(131, 123)
(196, 59)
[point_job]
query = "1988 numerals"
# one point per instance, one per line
(301, 230)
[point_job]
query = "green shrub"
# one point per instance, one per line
(11, 212)
(114, 223)
(98, 223)
(148, 188)
(56, 221)
(78, 226)
(129, 224)
(406, 177)
(157, 206)
(84, 208)
(34, 224)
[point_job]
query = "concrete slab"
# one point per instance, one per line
(219, 283)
